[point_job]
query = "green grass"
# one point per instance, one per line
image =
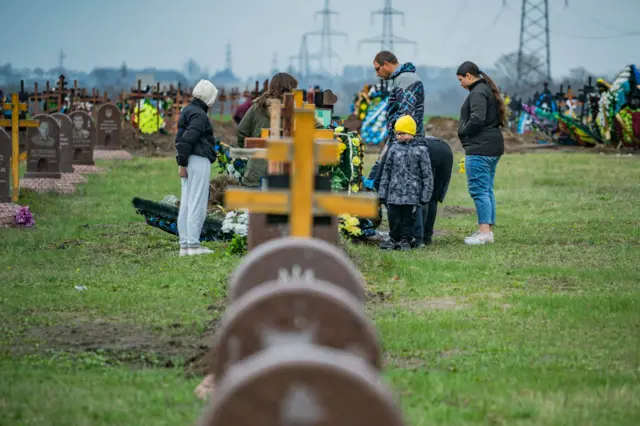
(542, 328)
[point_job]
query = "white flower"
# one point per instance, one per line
(227, 227)
(230, 168)
(231, 215)
(240, 229)
(237, 175)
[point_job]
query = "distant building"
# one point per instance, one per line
(225, 77)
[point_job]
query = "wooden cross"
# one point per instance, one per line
(301, 202)
(15, 123)
(222, 98)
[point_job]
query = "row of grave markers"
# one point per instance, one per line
(179, 97)
(295, 344)
(55, 144)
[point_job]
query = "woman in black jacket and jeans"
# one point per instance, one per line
(481, 117)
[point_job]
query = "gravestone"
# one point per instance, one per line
(109, 127)
(5, 166)
(311, 311)
(314, 257)
(82, 138)
(43, 153)
(303, 385)
(66, 151)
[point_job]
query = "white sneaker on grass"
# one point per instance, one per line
(184, 251)
(479, 238)
(195, 251)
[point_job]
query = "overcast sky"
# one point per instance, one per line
(165, 33)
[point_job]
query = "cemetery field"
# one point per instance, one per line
(102, 323)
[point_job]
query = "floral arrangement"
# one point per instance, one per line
(232, 167)
(24, 217)
(151, 119)
(372, 110)
(236, 222)
(236, 226)
(612, 116)
(347, 174)
(350, 225)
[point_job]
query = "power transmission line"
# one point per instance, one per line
(388, 39)
(534, 50)
(326, 53)
(622, 32)
(587, 37)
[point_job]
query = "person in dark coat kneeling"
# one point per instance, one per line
(406, 183)
(441, 158)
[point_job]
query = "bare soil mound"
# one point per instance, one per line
(226, 131)
(162, 144)
(446, 128)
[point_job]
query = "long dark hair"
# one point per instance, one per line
(471, 68)
(279, 84)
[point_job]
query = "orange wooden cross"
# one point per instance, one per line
(301, 203)
(15, 123)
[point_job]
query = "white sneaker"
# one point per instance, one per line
(184, 251)
(198, 250)
(479, 238)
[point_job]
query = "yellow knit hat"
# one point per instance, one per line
(405, 124)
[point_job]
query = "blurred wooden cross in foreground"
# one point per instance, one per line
(15, 123)
(303, 153)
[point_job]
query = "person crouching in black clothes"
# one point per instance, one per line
(406, 183)
(441, 158)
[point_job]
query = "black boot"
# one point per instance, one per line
(389, 244)
(405, 244)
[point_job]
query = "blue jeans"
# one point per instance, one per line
(481, 173)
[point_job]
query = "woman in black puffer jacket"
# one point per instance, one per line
(481, 117)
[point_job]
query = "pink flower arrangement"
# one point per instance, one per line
(24, 217)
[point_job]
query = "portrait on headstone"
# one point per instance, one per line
(43, 155)
(82, 137)
(80, 131)
(43, 137)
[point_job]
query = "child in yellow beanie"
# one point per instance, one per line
(406, 183)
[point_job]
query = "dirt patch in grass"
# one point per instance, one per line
(376, 296)
(405, 363)
(439, 303)
(456, 210)
(450, 302)
(127, 343)
(123, 342)
(555, 283)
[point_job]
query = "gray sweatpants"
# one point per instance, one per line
(193, 201)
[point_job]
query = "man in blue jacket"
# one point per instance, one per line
(406, 97)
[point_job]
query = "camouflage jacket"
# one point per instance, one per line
(407, 177)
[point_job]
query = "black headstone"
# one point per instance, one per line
(43, 154)
(109, 127)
